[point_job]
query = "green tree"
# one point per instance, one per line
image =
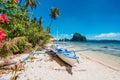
(54, 12)
(20, 25)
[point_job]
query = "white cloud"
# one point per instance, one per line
(107, 35)
(71, 34)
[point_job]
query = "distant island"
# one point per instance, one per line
(76, 37)
(81, 38)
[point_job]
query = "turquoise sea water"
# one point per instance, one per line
(106, 47)
(110, 47)
(105, 51)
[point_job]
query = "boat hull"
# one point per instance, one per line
(69, 61)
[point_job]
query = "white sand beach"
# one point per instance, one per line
(50, 67)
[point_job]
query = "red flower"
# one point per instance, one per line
(2, 35)
(16, 1)
(3, 18)
(0, 43)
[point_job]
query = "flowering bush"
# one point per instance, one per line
(3, 18)
(2, 36)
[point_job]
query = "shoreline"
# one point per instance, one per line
(100, 62)
(111, 61)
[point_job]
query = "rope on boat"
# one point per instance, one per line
(39, 52)
(76, 58)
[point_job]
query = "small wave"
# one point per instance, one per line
(116, 48)
(104, 47)
(96, 50)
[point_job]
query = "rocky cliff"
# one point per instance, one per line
(78, 37)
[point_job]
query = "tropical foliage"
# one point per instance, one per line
(17, 31)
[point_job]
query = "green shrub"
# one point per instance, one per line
(37, 37)
(14, 46)
(22, 44)
(17, 30)
(8, 49)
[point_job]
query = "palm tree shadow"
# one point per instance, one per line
(61, 63)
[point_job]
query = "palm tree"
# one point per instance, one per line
(54, 12)
(31, 3)
(48, 29)
(40, 21)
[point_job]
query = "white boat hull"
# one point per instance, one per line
(69, 61)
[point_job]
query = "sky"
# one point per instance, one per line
(95, 19)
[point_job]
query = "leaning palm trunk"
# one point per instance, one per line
(51, 23)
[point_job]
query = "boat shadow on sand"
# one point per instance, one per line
(61, 63)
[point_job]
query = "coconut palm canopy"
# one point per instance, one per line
(54, 12)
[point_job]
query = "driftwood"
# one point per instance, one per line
(2, 63)
(7, 62)
(5, 67)
(4, 72)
